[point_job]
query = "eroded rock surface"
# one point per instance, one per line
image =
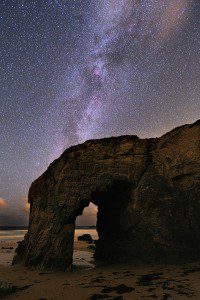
(147, 192)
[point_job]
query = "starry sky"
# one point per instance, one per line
(72, 70)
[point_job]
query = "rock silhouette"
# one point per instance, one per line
(147, 192)
(85, 238)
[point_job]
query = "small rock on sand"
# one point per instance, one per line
(86, 238)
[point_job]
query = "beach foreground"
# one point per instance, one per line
(108, 282)
(101, 282)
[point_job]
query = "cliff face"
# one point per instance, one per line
(147, 192)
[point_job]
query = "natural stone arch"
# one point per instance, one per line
(151, 186)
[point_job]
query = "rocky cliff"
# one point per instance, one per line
(147, 192)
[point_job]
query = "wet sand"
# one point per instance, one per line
(103, 282)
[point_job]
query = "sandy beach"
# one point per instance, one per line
(88, 281)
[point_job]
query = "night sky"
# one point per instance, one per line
(72, 70)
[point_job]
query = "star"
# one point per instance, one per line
(77, 70)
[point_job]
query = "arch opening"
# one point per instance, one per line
(106, 211)
(85, 237)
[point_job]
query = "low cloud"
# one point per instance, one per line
(89, 216)
(25, 206)
(14, 214)
(3, 203)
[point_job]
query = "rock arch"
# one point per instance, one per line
(146, 190)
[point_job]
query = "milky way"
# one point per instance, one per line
(76, 70)
(126, 29)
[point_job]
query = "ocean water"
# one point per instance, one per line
(18, 235)
(81, 258)
(12, 235)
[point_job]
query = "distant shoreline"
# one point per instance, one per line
(26, 227)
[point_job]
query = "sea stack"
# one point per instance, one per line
(148, 197)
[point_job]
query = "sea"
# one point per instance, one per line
(81, 258)
(18, 233)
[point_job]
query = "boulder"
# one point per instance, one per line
(85, 238)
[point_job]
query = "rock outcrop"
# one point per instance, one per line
(86, 238)
(147, 192)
